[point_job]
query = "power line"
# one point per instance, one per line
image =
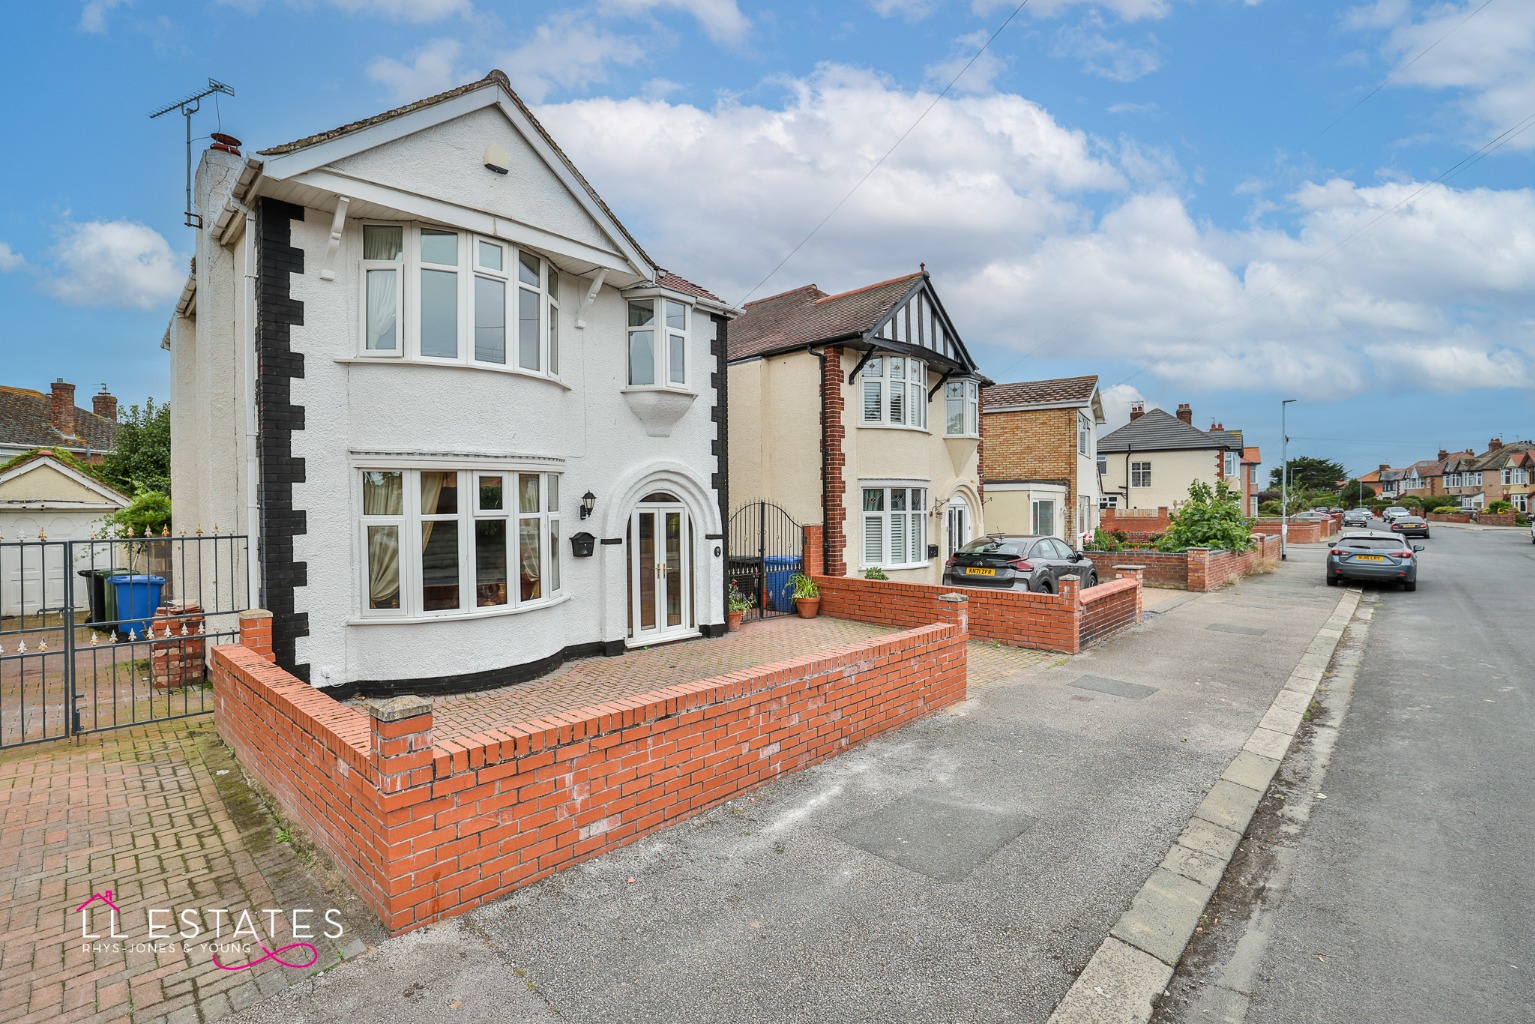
(880, 162)
(1492, 145)
(1392, 77)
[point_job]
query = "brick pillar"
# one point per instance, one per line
(833, 485)
(177, 657)
(1138, 574)
(815, 551)
(1199, 570)
(256, 632)
(1071, 596)
(402, 742)
(954, 610)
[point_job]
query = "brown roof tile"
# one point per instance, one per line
(26, 421)
(1040, 392)
(667, 279)
(804, 315)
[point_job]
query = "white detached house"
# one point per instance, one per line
(472, 428)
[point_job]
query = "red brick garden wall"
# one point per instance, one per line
(1199, 572)
(1135, 520)
(1310, 531)
(1453, 517)
(425, 830)
(1497, 519)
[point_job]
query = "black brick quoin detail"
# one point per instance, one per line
(277, 312)
(721, 445)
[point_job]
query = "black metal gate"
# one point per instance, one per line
(766, 550)
(103, 634)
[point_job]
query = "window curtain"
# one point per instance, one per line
(383, 498)
(383, 304)
(431, 490)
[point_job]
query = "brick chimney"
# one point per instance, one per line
(1495, 444)
(105, 405)
(64, 407)
(1443, 455)
(1186, 414)
(1384, 466)
(1137, 410)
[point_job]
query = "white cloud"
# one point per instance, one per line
(1117, 399)
(1039, 234)
(114, 263)
(1113, 59)
(567, 51)
(911, 10)
(93, 15)
(1127, 10)
(721, 20)
(981, 75)
(430, 70)
(10, 259)
(406, 10)
(1449, 367)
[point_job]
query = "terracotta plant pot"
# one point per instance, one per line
(808, 607)
(733, 621)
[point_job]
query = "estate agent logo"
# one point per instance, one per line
(192, 923)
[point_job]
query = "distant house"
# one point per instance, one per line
(860, 412)
(1462, 479)
(1150, 462)
(51, 493)
(1041, 472)
(30, 420)
(1505, 472)
(1252, 458)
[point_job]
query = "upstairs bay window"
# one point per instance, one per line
(894, 392)
(962, 408)
(436, 295)
(658, 343)
(454, 543)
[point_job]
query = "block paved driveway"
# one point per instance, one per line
(161, 816)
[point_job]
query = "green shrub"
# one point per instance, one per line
(804, 587)
(739, 600)
(1270, 508)
(1211, 518)
(148, 512)
(1103, 541)
(874, 572)
(1496, 507)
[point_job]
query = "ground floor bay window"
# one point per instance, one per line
(458, 542)
(894, 527)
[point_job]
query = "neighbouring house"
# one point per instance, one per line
(1150, 462)
(1505, 475)
(30, 420)
(1391, 483)
(1462, 479)
(860, 412)
(1041, 473)
(1252, 458)
(1421, 478)
(52, 493)
(471, 426)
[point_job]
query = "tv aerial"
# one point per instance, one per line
(189, 106)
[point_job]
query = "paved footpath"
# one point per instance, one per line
(962, 869)
(160, 816)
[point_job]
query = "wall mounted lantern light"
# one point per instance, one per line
(588, 502)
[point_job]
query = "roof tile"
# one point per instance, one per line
(1159, 431)
(804, 315)
(1061, 390)
(26, 421)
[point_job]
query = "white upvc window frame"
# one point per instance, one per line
(893, 382)
(409, 521)
(1084, 435)
(964, 397)
(906, 524)
(1233, 465)
(1141, 470)
(671, 347)
(1107, 501)
(409, 269)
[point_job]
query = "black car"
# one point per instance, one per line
(1373, 555)
(1356, 517)
(1019, 563)
(1410, 526)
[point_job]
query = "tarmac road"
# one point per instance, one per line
(1411, 896)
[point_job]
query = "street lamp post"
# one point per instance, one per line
(1284, 481)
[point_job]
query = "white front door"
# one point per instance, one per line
(660, 572)
(958, 518)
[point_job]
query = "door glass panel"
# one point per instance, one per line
(645, 569)
(674, 568)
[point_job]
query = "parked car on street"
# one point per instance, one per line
(1410, 526)
(1018, 563)
(1356, 517)
(1309, 517)
(1392, 512)
(1373, 555)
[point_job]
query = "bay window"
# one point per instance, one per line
(457, 542)
(962, 408)
(437, 295)
(658, 343)
(894, 391)
(894, 527)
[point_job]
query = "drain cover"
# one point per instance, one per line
(936, 836)
(1117, 687)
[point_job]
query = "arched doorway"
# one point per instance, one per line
(958, 524)
(662, 593)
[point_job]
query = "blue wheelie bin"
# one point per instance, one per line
(137, 599)
(779, 590)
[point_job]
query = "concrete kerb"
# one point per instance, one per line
(1135, 962)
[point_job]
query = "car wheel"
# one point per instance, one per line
(1409, 585)
(1047, 587)
(1332, 581)
(1092, 579)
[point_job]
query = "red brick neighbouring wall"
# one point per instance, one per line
(1120, 519)
(833, 433)
(1051, 622)
(1497, 519)
(1451, 517)
(1200, 573)
(1311, 531)
(425, 830)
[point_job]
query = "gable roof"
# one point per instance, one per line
(1060, 391)
(26, 421)
(1504, 456)
(1227, 438)
(1160, 431)
(83, 473)
(808, 316)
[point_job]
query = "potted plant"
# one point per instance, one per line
(740, 604)
(807, 596)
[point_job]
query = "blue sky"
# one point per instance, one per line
(1207, 201)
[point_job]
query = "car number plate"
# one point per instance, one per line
(980, 572)
(1369, 558)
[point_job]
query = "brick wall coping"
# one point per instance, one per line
(1107, 589)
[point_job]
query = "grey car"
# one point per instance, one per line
(1356, 517)
(1373, 555)
(1017, 563)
